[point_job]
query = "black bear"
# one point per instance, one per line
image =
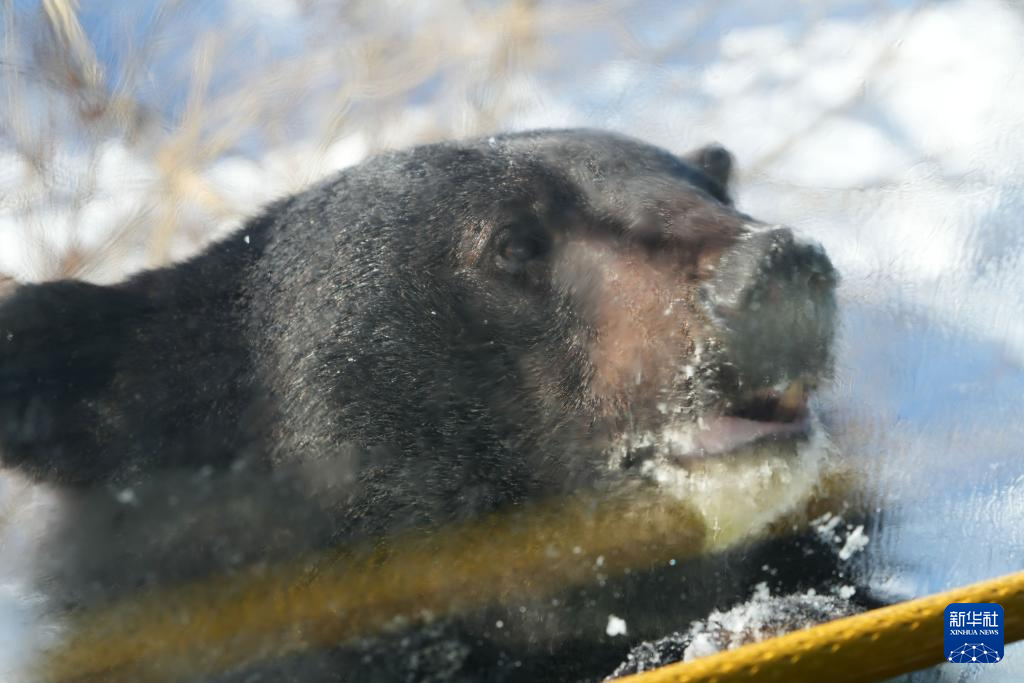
(436, 334)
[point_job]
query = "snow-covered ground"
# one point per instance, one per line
(888, 130)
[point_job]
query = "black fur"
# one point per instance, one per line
(338, 369)
(339, 316)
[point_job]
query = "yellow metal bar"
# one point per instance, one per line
(181, 633)
(871, 646)
(262, 613)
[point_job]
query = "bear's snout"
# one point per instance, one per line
(772, 304)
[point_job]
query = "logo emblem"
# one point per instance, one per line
(974, 633)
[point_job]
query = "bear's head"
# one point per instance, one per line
(476, 321)
(543, 306)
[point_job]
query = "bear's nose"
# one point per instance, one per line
(772, 304)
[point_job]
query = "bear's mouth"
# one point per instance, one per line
(765, 414)
(750, 418)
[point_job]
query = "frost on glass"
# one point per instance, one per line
(886, 130)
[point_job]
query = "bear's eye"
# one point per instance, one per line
(520, 243)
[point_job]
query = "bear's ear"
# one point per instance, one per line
(715, 161)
